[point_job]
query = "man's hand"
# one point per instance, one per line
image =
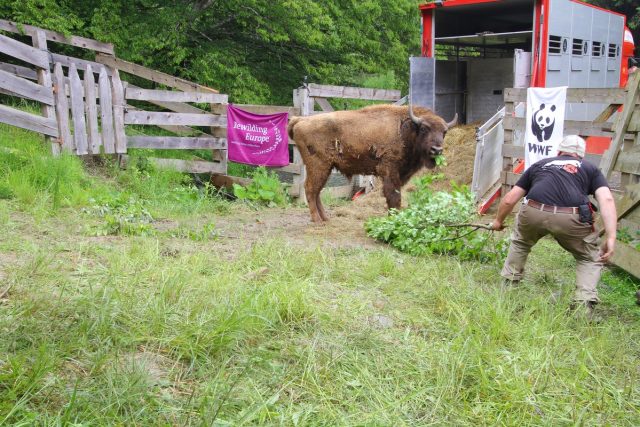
(497, 225)
(606, 250)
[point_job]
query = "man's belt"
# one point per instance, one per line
(551, 208)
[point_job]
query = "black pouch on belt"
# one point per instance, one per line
(585, 214)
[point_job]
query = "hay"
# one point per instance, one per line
(459, 151)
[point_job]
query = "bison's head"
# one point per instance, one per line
(424, 135)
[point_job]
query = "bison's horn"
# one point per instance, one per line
(453, 122)
(414, 118)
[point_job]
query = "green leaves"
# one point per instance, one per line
(265, 188)
(425, 226)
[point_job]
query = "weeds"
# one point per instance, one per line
(265, 188)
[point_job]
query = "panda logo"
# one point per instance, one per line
(543, 122)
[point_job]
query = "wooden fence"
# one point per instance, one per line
(621, 162)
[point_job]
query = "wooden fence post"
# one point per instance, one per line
(77, 111)
(117, 93)
(303, 101)
(39, 40)
(611, 155)
(62, 109)
(91, 111)
(106, 112)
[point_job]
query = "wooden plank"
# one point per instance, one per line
(517, 151)
(25, 88)
(44, 81)
(176, 142)
(161, 118)
(25, 120)
(62, 109)
(627, 257)
(509, 178)
(57, 37)
(607, 113)
(190, 166)
(634, 123)
(570, 126)
(106, 113)
(91, 111)
(574, 95)
(611, 155)
(20, 71)
(77, 112)
(629, 162)
(302, 101)
(510, 150)
(178, 130)
(117, 96)
(258, 109)
(324, 104)
(328, 91)
(293, 168)
(153, 75)
(175, 96)
(24, 52)
(66, 61)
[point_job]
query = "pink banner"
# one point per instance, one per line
(257, 139)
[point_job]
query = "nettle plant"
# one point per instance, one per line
(122, 215)
(428, 225)
(265, 188)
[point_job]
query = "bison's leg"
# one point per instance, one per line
(321, 211)
(391, 190)
(316, 179)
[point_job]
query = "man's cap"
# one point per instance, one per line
(573, 144)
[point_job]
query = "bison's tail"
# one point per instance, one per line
(292, 123)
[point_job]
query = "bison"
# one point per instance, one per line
(391, 142)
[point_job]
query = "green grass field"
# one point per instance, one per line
(122, 303)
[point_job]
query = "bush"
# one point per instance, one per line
(425, 227)
(265, 188)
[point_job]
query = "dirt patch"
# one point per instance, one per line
(294, 225)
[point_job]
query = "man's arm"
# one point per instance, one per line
(609, 218)
(507, 204)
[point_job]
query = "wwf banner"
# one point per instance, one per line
(257, 139)
(544, 123)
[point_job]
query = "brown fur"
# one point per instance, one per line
(378, 140)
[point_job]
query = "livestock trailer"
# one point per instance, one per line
(473, 49)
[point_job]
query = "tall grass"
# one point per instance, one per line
(132, 334)
(42, 183)
(163, 329)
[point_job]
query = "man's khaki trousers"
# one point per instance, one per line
(580, 239)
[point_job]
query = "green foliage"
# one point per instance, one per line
(265, 188)
(37, 180)
(256, 51)
(122, 215)
(627, 236)
(425, 226)
(205, 233)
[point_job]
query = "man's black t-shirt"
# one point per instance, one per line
(561, 181)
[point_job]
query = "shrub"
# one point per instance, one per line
(265, 188)
(425, 227)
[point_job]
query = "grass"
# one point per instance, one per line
(168, 329)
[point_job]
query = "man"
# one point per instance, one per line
(557, 203)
